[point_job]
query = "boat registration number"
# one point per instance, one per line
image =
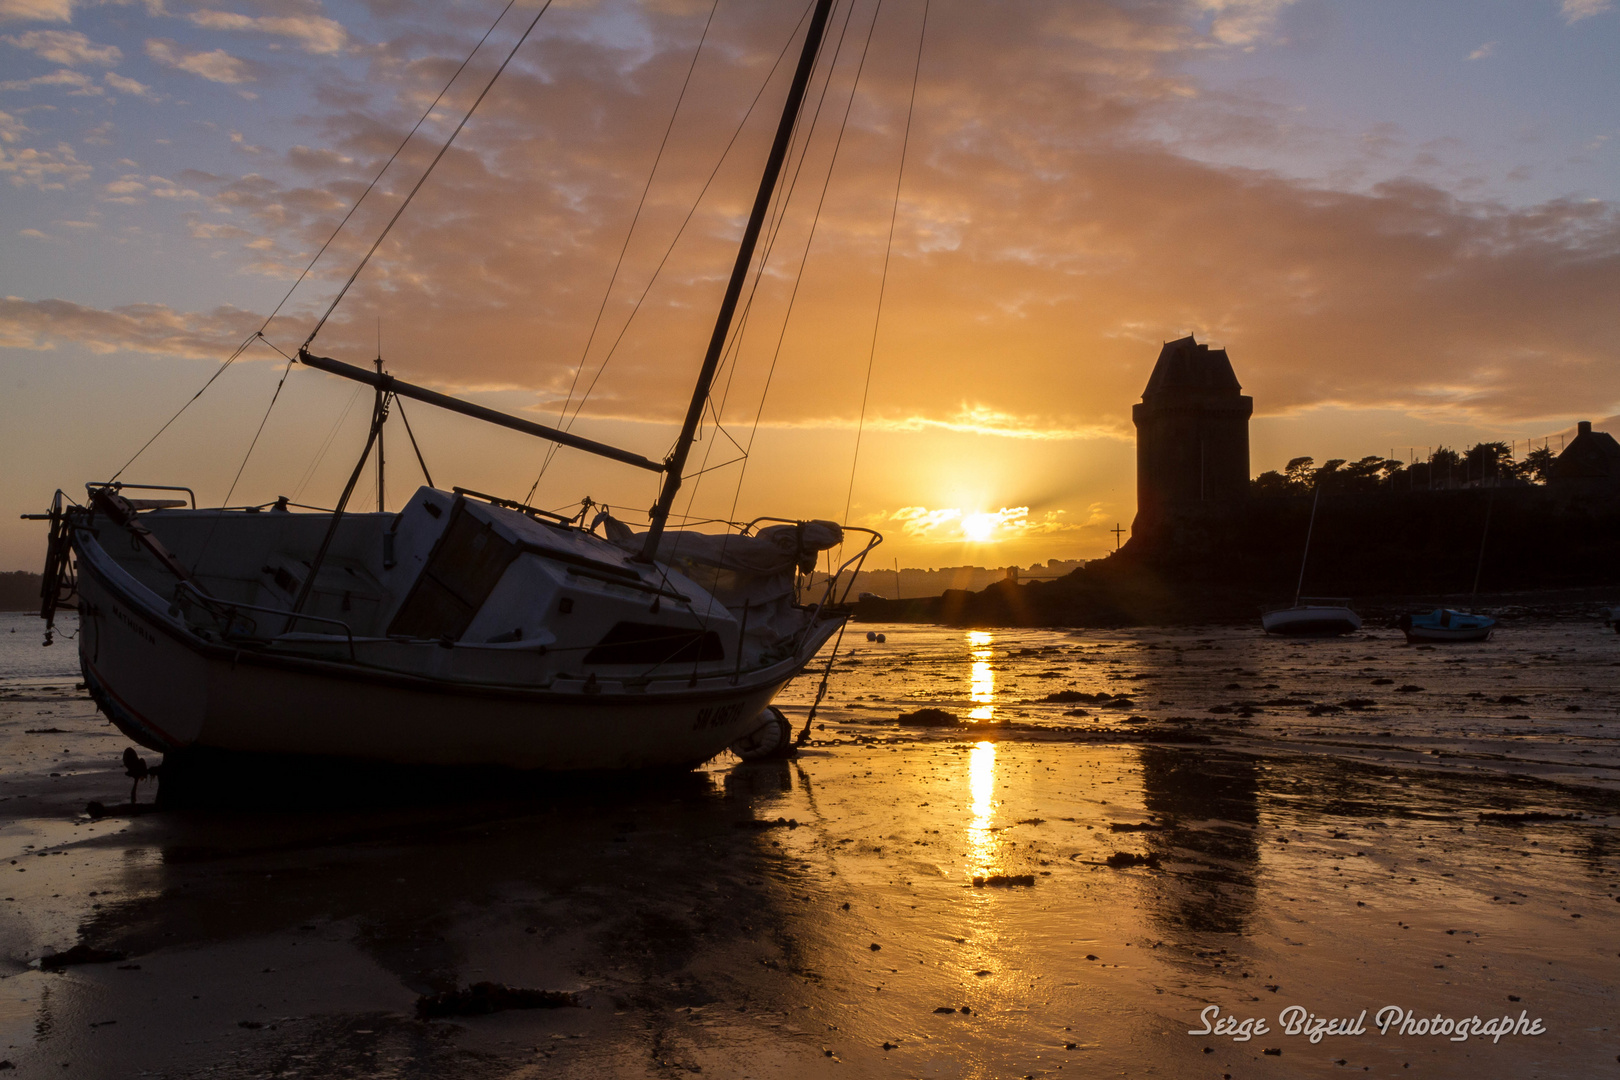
(717, 716)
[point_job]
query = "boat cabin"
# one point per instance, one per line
(454, 586)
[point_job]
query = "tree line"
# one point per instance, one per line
(1481, 465)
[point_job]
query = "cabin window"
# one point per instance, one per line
(463, 570)
(649, 643)
(285, 581)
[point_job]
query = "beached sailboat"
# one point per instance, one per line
(1311, 616)
(465, 629)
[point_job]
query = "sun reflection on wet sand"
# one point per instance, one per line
(982, 788)
(983, 691)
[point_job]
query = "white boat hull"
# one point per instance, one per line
(1311, 620)
(168, 691)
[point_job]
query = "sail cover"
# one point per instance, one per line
(754, 570)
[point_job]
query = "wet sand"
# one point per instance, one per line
(1440, 849)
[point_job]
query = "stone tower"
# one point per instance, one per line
(1192, 438)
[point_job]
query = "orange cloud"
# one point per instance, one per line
(1048, 237)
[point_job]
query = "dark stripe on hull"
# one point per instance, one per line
(123, 716)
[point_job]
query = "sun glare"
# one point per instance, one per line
(982, 839)
(980, 527)
(983, 692)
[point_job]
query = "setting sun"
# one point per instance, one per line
(980, 528)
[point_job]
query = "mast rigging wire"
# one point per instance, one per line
(805, 257)
(731, 360)
(320, 452)
(771, 238)
(240, 349)
(636, 308)
(214, 527)
(781, 218)
(285, 371)
(420, 460)
(888, 249)
(613, 278)
(427, 172)
(778, 219)
(229, 360)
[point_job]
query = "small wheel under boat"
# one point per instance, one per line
(772, 739)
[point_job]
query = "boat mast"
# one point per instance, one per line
(739, 271)
(1303, 559)
(1479, 564)
(382, 405)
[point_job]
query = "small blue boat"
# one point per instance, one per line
(1445, 624)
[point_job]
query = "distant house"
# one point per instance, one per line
(1192, 437)
(1590, 463)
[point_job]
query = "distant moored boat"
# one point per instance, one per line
(1312, 617)
(1446, 624)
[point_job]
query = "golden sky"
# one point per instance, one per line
(1402, 225)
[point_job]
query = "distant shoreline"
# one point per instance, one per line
(19, 590)
(1008, 605)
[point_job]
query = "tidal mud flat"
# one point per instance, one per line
(1337, 826)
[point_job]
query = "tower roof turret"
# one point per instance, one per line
(1188, 368)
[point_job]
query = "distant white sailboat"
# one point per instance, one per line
(1311, 616)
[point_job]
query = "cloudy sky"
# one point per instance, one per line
(1400, 219)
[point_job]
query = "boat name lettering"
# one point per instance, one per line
(140, 631)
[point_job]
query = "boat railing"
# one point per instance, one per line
(550, 517)
(116, 486)
(228, 613)
(852, 564)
